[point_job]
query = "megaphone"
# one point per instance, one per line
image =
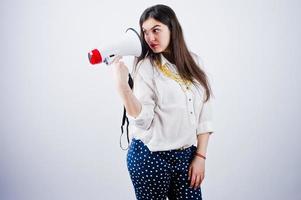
(128, 45)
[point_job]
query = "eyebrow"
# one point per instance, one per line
(151, 28)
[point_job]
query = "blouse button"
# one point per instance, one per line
(191, 112)
(189, 99)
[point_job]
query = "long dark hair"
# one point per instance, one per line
(179, 54)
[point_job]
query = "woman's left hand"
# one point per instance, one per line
(196, 172)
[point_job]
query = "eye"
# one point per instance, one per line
(156, 30)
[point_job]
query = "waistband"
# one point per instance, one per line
(184, 148)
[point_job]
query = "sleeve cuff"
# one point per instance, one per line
(140, 115)
(205, 127)
(143, 120)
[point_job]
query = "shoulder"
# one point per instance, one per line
(197, 59)
(145, 69)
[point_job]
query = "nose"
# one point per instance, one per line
(150, 37)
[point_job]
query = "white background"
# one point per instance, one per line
(60, 116)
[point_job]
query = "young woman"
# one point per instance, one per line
(169, 110)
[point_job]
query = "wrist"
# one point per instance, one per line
(124, 91)
(199, 155)
(123, 88)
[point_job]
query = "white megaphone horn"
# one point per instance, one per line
(129, 45)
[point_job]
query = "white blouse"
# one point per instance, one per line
(171, 117)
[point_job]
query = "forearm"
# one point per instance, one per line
(131, 103)
(202, 143)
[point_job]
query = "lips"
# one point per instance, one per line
(154, 45)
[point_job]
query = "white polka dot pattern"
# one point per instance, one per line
(161, 174)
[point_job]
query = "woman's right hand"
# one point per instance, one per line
(120, 73)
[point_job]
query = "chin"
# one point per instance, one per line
(157, 50)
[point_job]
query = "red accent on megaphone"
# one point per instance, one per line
(94, 57)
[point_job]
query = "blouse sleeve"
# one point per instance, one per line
(144, 92)
(205, 124)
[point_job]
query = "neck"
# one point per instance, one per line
(168, 56)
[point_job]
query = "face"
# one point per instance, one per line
(156, 35)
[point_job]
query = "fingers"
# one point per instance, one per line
(196, 179)
(202, 177)
(117, 59)
(197, 182)
(118, 62)
(192, 177)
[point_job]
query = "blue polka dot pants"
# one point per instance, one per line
(162, 174)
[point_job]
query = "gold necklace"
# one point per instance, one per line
(185, 84)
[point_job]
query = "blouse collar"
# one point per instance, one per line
(165, 61)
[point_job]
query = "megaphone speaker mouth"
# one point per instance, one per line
(94, 57)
